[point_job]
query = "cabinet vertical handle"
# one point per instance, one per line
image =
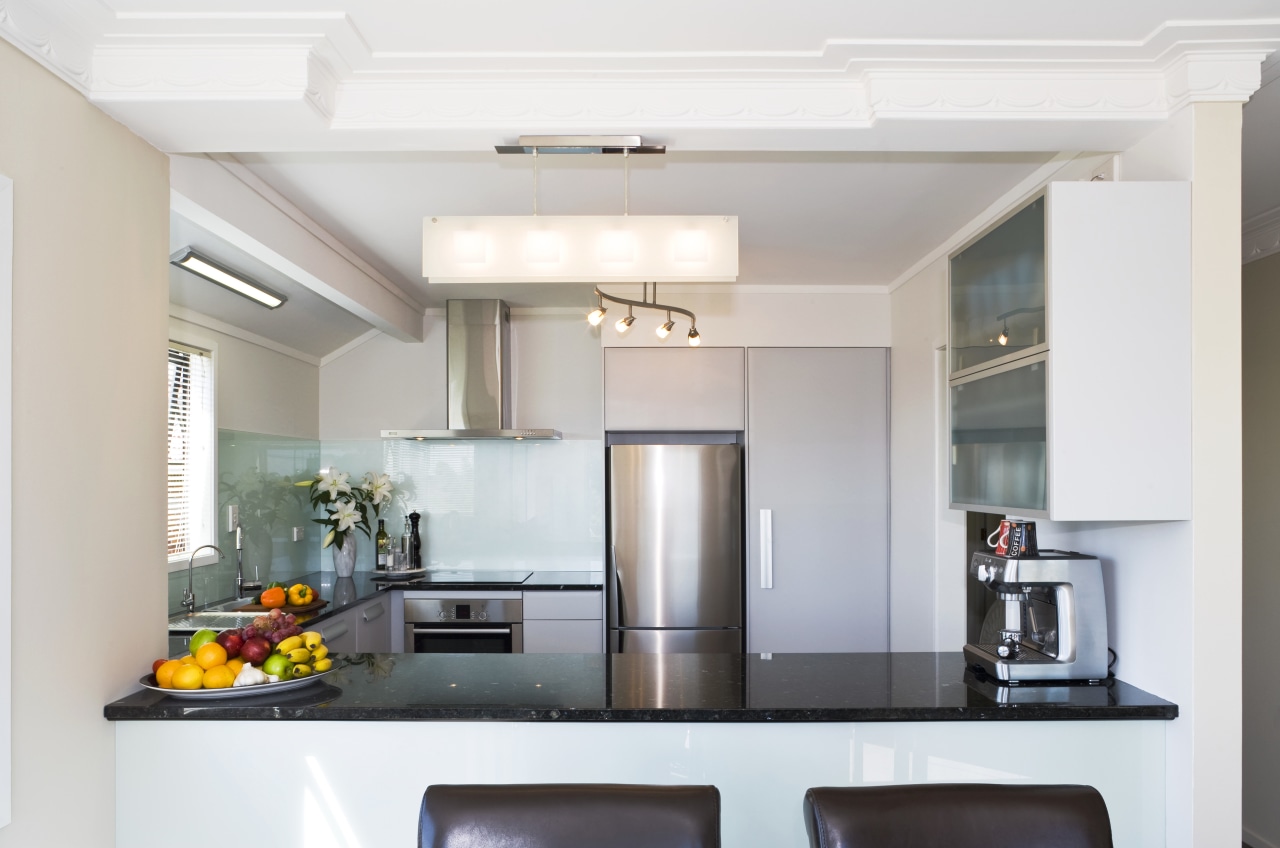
(766, 549)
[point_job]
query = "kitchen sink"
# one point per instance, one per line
(212, 619)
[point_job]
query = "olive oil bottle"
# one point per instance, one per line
(384, 544)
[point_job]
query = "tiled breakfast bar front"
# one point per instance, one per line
(345, 760)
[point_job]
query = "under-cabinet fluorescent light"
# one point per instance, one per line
(214, 273)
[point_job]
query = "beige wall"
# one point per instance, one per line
(259, 390)
(90, 288)
(1261, 382)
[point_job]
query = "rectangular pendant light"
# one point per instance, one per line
(580, 248)
(204, 267)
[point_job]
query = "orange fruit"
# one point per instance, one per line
(188, 659)
(164, 674)
(211, 654)
(235, 665)
(189, 676)
(219, 677)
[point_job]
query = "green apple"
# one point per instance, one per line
(279, 665)
(202, 637)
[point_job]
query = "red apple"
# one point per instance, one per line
(156, 665)
(254, 651)
(232, 641)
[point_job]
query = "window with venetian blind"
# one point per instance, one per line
(191, 451)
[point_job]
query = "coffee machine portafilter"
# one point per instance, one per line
(1055, 618)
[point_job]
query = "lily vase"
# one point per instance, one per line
(344, 558)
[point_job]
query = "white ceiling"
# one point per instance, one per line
(850, 138)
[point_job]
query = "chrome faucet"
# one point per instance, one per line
(188, 595)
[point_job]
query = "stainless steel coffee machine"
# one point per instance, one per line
(1055, 618)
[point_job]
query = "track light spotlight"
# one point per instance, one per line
(1004, 335)
(694, 338)
(596, 316)
(624, 324)
(665, 329)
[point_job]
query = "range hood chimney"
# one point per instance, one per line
(479, 369)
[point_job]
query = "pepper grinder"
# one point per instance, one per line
(415, 541)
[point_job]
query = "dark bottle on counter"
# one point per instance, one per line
(415, 541)
(384, 544)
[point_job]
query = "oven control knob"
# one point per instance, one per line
(443, 615)
(484, 616)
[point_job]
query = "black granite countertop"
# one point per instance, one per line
(543, 581)
(650, 687)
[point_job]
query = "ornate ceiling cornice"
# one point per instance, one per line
(310, 80)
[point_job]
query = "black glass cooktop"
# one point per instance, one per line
(471, 577)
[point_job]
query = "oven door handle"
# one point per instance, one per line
(453, 631)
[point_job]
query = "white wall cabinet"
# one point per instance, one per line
(689, 389)
(817, 500)
(564, 622)
(1109, 437)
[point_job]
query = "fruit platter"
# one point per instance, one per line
(271, 654)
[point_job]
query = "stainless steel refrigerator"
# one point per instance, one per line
(675, 554)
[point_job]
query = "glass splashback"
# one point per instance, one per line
(489, 502)
(998, 438)
(256, 472)
(998, 292)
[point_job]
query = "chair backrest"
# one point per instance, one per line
(569, 815)
(957, 815)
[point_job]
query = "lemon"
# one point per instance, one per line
(219, 677)
(189, 676)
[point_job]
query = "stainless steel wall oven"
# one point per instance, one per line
(463, 626)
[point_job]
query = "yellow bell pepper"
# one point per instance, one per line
(300, 594)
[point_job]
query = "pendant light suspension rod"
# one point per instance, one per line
(626, 183)
(535, 181)
(647, 304)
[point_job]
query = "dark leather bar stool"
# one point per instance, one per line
(956, 815)
(569, 815)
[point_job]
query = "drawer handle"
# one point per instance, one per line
(454, 631)
(766, 549)
(336, 631)
(374, 612)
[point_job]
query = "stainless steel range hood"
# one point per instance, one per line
(479, 367)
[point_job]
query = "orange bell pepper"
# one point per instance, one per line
(274, 597)
(300, 594)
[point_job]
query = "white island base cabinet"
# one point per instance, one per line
(360, 784)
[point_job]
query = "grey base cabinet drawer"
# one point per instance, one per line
(562, 605)
(563, 637)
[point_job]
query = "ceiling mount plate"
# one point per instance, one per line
(580, 144)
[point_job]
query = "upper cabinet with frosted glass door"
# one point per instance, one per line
(998, 294)
(1070, 356)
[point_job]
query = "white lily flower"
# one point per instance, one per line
(378, 486)
(334, 483)
(346, 515)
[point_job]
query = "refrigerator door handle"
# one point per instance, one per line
(766, 549)
(614, 595)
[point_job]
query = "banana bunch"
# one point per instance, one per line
(307, 652)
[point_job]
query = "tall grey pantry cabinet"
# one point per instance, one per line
(814, 424)
(817, 499)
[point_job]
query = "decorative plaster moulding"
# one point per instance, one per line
(1261, 236)
(308, 79)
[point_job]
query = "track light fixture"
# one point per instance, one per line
(597, 315)
(1004, 334)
